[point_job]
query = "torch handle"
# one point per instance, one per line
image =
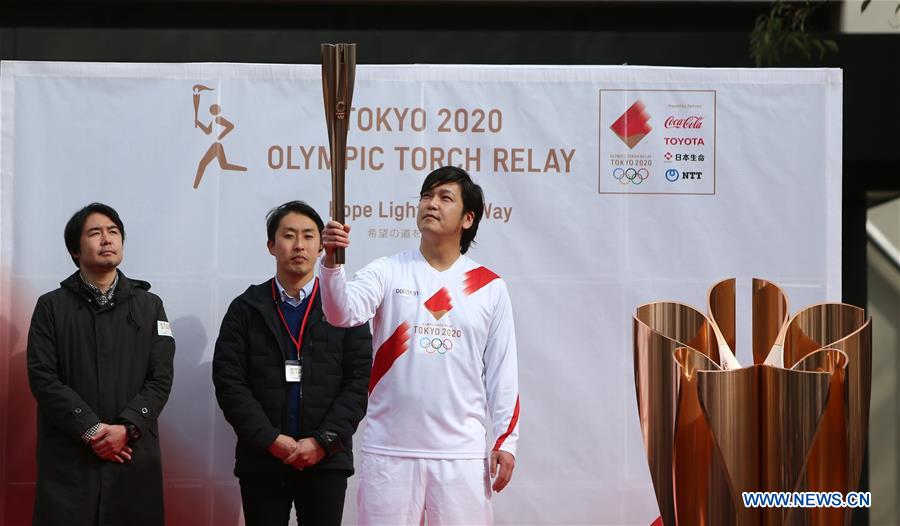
(338, 71)
(338, 182)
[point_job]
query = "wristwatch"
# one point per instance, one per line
(132, 431)
(330, 441)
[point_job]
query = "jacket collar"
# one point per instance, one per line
(304, 292)
(124, 289)
(260, 298)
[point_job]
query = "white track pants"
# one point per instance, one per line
(411, 491)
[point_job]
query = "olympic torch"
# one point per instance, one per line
(197, 89)
(338, 73)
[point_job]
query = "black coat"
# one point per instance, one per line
(248, 372)
(88, 365)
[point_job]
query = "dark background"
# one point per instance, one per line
(697, 34)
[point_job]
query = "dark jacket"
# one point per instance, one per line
(88, 365)
(248, 371)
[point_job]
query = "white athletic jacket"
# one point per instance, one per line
(444, 376)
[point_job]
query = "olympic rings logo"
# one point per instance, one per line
(432, 345)
(631, 175)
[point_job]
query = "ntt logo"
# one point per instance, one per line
(672, 175)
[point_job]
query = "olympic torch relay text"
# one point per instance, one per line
(374, 158)
(394, 139)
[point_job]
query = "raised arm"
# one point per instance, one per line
(207, 128)
(348, 304)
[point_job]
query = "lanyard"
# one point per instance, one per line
(299, 340)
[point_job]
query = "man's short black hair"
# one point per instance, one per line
(72, 233)
(472, 197)
(273, 218)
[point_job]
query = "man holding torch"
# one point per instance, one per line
(443, 396)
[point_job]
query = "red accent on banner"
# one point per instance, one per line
(633, 122)
(477, 278)
(439, 304)
(633, 125)
(390, 350)
(512, 425)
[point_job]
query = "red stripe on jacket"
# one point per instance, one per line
(390, 350)
(477, 278)
(512, 425)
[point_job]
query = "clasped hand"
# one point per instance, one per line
(297, 453)
(110, 442)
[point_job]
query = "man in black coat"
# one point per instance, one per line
(100, 355)
(293, 387)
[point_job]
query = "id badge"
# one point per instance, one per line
(292, 370)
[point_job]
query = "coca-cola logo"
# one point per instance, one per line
(694, 122)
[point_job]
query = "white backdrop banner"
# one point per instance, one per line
(606, 187)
